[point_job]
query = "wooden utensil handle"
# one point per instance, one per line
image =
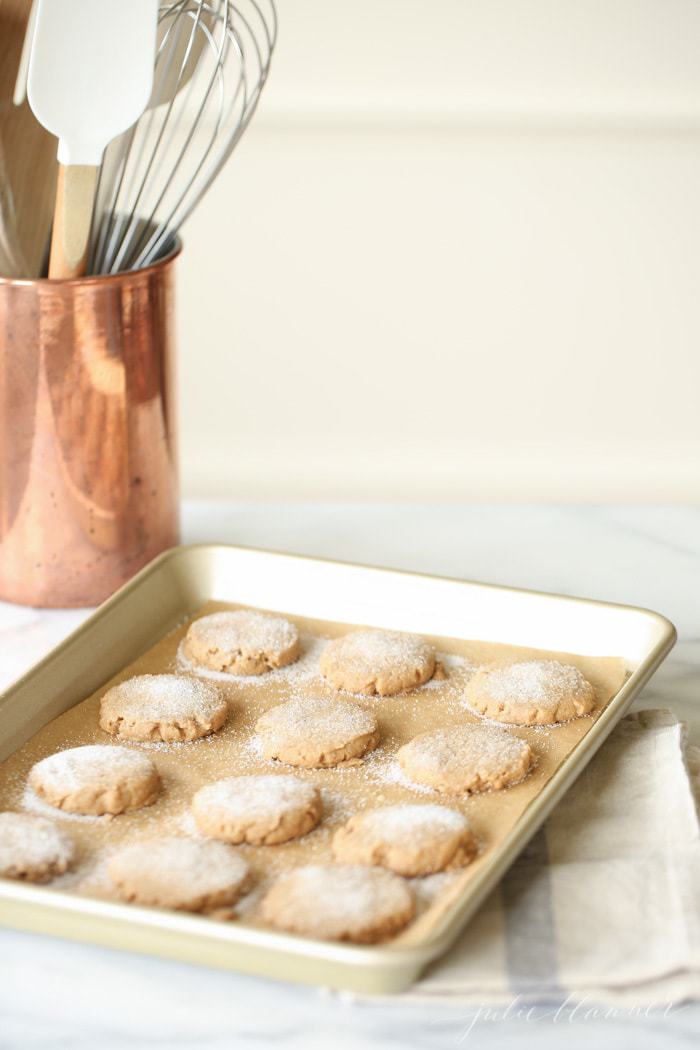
(75, 197)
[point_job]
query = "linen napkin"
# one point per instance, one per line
(605, 902)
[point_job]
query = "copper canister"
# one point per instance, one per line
(88, 467)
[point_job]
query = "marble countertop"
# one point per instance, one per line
(57, 994)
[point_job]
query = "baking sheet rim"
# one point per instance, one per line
(405, 960)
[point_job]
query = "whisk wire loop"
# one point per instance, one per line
(211, 64)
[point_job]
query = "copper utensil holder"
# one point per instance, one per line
(88, 467)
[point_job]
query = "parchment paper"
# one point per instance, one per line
(186, 767)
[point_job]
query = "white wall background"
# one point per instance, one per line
(456, 255)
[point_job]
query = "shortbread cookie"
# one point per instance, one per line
(317, 732)
(261, 810)
(531, 692)
(377, 663)
(243, 642)
(169, 707)
(339, 902)
(96, 779)
(32, 848)
(410, 840)
(464, 759)
(179, 873)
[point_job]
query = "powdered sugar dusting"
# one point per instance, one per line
(404, 822)
(244, 629)
(29, 843)
(179, 867)
(244, 642)
(375, 650)
(302, 670)
(479, 745)
(330, 899)
(330, 722)
(163, 696)
(466, 758)
(536, 680)
(245, 798)
(80, 767)
(376, 662)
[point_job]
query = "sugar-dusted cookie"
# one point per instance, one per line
(162, 707)
(377, 663)
(243, 642)
(464, 759)
(33, 848)
(339, 902)
(179, 873)
(317, 732)
(262, 810)
(410, 840)
(531, 692)
(96, 779)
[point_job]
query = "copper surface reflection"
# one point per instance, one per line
(88, 461)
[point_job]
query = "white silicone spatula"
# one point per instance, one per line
(90, 77)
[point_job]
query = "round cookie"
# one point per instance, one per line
(464, 759)
(242, 642)
(168, 707)
(316, 732)
(339, 902)
(179, 873)
(410, 840)
(32, 848)
(377, 663)
(96, 779)
(531, 692)
(261, 810)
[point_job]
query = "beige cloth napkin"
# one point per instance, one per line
(605, 902)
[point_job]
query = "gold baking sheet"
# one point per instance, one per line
(186, 767)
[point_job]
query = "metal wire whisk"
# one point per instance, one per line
(212, 61)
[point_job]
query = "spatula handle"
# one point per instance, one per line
(75, 197)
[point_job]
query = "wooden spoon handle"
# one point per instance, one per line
(75, 197)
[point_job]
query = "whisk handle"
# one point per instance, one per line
(75, 197)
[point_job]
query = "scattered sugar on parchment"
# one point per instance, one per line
(253, 745)
(452, 674)
(392, 773)
(337, 807)
(184, 746)
(378, 768)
